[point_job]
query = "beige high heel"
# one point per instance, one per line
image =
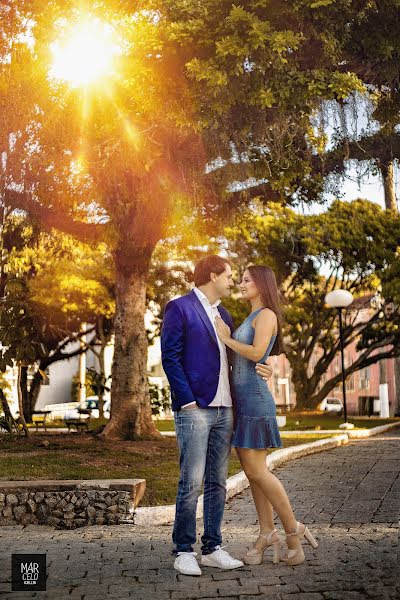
(255, 557)
(296, 556)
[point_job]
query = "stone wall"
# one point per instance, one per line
(70, 504)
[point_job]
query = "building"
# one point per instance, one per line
(56, 387)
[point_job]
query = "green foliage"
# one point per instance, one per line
(372, 51)
(350, 245)
(96, 385)
(50, 285)
(160, 398)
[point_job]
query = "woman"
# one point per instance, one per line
(256, 427)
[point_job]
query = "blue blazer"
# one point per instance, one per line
(190, 351)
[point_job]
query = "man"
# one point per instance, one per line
(196, 364)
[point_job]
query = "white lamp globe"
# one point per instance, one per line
(339, 298)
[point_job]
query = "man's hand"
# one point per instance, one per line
(264, 370)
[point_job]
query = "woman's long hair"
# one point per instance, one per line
(265, 281)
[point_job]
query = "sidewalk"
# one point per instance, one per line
(350, 497)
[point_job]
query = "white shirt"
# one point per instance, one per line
(223, 394)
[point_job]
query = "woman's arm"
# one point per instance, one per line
(265, 325)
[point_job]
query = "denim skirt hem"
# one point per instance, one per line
(256, 433)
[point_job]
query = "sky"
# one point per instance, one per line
(370, 188)
(359, 122)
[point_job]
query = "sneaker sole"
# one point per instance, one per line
(222, 568)
(188, 574)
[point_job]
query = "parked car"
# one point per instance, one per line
(71, 410)
(92, 404)
(331, 405)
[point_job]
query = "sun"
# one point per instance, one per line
(84, 54)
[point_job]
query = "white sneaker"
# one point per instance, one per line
(221, 559)
(186, 563)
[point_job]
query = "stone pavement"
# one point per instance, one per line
(349, 496)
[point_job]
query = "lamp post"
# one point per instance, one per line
(341, 299)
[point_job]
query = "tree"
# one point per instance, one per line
(50, 284)
(231, 87)
(372, 52)
(351, 246)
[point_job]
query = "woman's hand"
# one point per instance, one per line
(223, 331)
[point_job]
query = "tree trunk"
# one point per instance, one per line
(5, 407)
(7, 412)
(391, 204)
(387, 171)
(130, 402)
(27, 409)
(20, 399)
(302, 384)
(104, 339)
(103, 379)
(397, 384)
(34, 390)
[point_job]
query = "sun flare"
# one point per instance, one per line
(85, 53)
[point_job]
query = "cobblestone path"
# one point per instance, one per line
(349, 496)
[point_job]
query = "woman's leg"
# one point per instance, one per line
(265, 511)
(255, 467)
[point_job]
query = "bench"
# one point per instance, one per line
(76, 424)
(39, 418)
(284, 409)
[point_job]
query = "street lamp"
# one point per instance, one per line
(341, 299)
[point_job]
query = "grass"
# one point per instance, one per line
(296, 421)
(318, 421)
(76, 456)
(303, 421)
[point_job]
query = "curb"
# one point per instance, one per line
(363, 433)
(162, 515)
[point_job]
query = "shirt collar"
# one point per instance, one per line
(203, 298)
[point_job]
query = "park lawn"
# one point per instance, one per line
(301, 421)
(80, 456)
(294, 422)
(321, 421)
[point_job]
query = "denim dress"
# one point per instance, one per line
(256, 425)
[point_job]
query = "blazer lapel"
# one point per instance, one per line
(222, 317)
(203, 315)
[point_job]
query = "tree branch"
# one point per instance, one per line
(52, 218)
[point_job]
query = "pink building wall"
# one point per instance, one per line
(362, 387)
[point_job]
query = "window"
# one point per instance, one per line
(351, 382)
(364, 379)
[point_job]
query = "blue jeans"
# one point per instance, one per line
(204, 439)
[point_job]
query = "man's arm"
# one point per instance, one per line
(172, 343)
